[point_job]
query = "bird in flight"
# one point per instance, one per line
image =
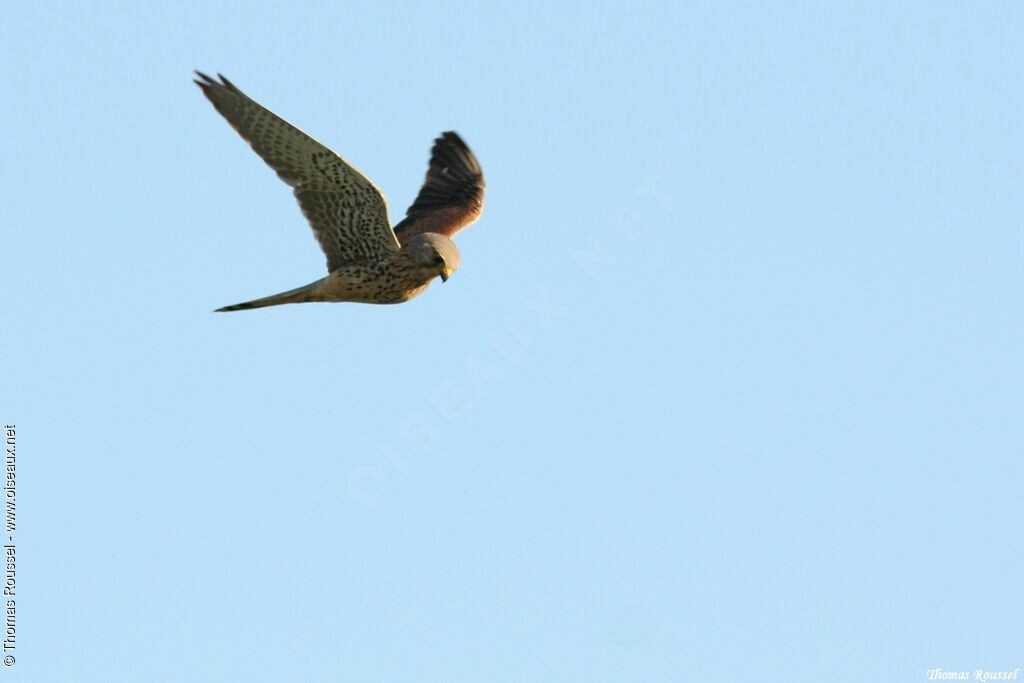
(367, 260)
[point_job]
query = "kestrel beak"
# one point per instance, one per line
(445, 274)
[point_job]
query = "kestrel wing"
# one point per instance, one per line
(347, 212)
(452, 196)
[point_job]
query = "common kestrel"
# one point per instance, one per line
(367, 261)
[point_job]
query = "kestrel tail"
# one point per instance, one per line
(367, 261)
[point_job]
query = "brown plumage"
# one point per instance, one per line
(366, 260)
(452, 195)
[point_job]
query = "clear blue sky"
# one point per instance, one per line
(728, 386)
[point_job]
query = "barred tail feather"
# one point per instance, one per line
(293, 296)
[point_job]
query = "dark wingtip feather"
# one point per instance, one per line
(453, 151)
(203, 81)
(207, 83)
(228, 84)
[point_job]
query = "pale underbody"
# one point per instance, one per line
(393, 281)
(384, 284)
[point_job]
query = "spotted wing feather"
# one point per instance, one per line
(347, 212)
(452, 195)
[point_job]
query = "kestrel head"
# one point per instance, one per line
(434, 253)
